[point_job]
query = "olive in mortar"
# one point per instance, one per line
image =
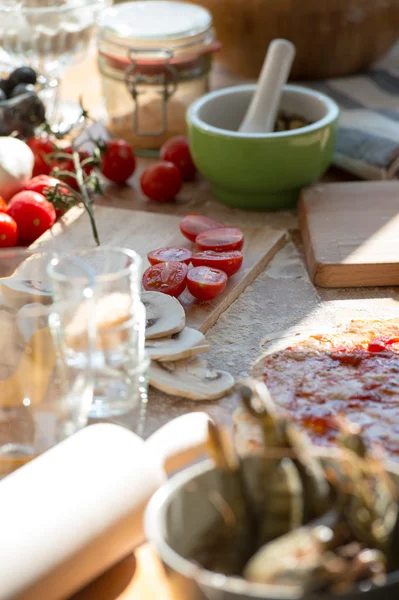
(288, 122)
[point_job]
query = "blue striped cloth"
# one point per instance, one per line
(368, 136)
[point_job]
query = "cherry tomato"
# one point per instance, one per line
(177, 151)
(8, 231)
(161, 181)
(118, 161)
(66, 164)
(229, 262)
(220, 240)
(32, 213)
(3, 205)
(205, 283)
(41, 183)
(168, 278)
(192, 225)
(83, 154)
(41, 146)
(169, 255)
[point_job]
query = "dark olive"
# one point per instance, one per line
(31, 110)
(22, 75)
(26, 131)
(5, 124)
(22, 88)
(4, 86)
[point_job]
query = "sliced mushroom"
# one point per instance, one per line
(28, 280)
(30, 318)
(165, 315)
(17, 291)
(190, 379)
(185, 344)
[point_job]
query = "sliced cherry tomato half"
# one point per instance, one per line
(220, 240)
(205, 283)
(229, 262)
(169, 255)
(192, 225)
(168, 278)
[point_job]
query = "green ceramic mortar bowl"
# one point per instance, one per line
(261, 171)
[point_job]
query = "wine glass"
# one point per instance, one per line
(49, 35)
(43, 397)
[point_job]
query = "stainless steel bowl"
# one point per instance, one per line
(178, 515)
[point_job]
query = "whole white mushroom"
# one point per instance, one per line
(16, 166)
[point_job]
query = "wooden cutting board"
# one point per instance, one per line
(143, 231)
(350, 233)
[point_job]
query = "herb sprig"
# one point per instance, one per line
(84, 183)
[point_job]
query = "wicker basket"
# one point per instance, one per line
(333, 37)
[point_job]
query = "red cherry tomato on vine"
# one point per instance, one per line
(161, 181)
(177, 151)
(220, 240)
(205, 283)
(168, 278)
(169, 255)
(32, 213)
(67, 164)
(118, 161)
(83, 154)
(8, 231)
(42, 182)
(229, 262)
(41, 146)
(192, 225)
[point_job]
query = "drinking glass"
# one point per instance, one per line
(110, 279)
(43, 398)
(49, 35)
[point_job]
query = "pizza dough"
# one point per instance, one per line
(353, 371)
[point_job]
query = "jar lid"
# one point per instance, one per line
(154, 21)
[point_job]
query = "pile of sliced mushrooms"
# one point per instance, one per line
(174, 350)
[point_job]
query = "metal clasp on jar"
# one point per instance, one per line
(167, 80)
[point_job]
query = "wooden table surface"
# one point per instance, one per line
(137, 577)
(141, 577)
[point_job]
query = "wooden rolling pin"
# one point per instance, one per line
(74, 511)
